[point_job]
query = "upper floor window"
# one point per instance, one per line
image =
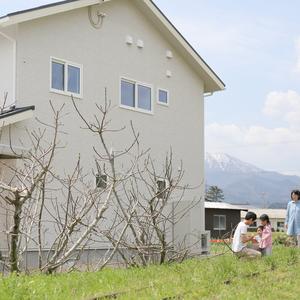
(135, 95)
(66, 77)
(163, 97)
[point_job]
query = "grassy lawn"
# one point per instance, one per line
(223, 277)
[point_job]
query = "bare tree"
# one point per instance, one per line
(134, 206)
(25, 182)
(147, 201)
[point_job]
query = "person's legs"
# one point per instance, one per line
(298, 241)
(267, 251)
(251, 253)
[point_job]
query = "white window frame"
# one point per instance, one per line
(215, 228)
(167, 185)
(168, 95)
(280, 226)
(103, 180)
(136, 108)
(66, 63)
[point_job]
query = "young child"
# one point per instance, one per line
(266, 238)
(241, 238)
(257, 239)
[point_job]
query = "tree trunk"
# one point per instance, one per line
(14, 238)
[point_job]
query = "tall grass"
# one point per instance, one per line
(223, 277)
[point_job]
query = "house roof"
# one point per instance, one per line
(223, 205)
(212, 82)
(272, 213)
(14, 110)
(13, 115)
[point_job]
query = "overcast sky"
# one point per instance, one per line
(254, 46)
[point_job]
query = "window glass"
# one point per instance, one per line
(216, 222)
(280, 224)
(222, 222)
(163, 96)
(127, 93)
(58, 76)
(161, 189)
(101, 181)
(219, 222)
(74, 79)
(144, 97)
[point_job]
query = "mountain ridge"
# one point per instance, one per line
(246, 183)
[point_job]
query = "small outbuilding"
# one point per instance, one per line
(221, 217)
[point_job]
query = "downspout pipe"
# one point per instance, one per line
(14, 43)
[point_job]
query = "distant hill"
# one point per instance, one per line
(244, 183)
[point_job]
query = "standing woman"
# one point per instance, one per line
(292, 221)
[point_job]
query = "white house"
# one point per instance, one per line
(78, 47)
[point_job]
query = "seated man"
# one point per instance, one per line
(240, 238)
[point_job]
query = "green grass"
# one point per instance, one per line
(223, 277)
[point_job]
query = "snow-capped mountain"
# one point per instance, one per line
(227, 163)
(246, 183)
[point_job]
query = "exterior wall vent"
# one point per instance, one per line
(169, 74)
(140, 44)
(129, 40)
(169, 54)
(205, 246)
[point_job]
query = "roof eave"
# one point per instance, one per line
(212, 83)
(45, 10)
(16, 116)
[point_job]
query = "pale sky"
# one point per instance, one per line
(254, 46)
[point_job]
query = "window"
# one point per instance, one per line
(101, 181)
(66, 77)
(128, 93)
(136, 96)
(161, 188)
(144, 97)
(163, 97)
(280, 224)
(58, 76)
(219, 222)
(74, 79)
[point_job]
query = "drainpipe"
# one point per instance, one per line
(14, 43)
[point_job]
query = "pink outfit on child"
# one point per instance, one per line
(266, 240)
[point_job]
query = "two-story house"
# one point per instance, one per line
(154, 77)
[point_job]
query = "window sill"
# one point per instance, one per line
(220, 229)
(137, 110)
(68, 94)
(163, 104)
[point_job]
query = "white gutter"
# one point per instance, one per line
(208, 94)
(21, 116)
(45, 10)
(14, 42)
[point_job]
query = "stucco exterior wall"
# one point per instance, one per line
(6, 70)
(106, 58)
